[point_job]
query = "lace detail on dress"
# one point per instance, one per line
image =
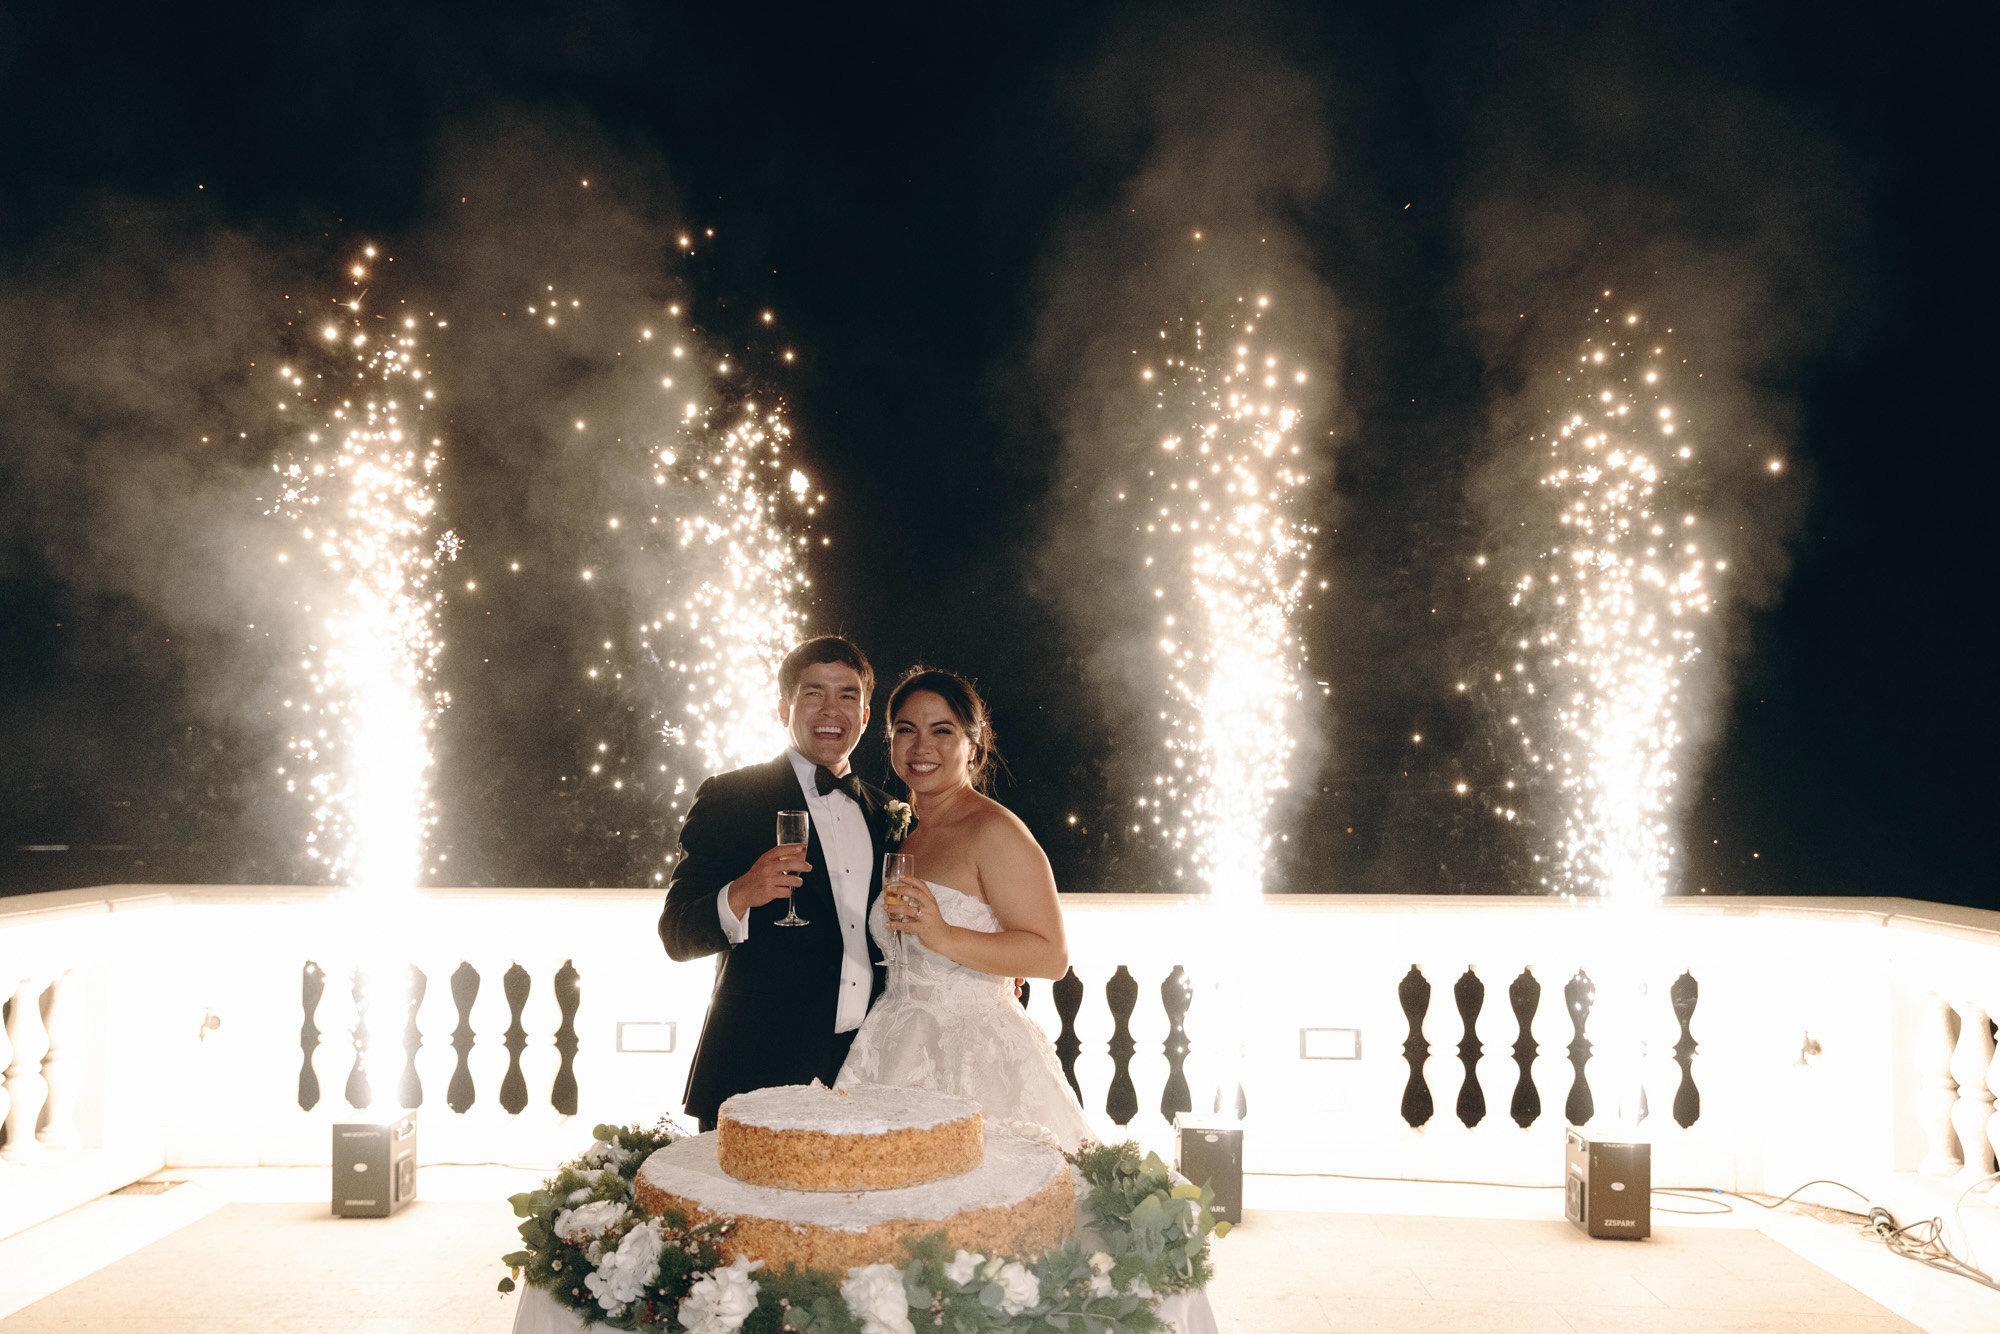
(958, 1030)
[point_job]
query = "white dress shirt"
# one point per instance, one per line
(850, 855)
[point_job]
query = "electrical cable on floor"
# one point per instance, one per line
(1924, 1242)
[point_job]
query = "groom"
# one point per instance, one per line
(787, 1000)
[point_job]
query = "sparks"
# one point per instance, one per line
(1222, 539)
(1610, 608)
(359, 496)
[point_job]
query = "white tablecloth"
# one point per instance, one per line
(538, 1313)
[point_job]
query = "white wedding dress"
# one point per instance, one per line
(951, 1028)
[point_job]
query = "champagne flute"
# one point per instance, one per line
(896, 868)
(793, 829)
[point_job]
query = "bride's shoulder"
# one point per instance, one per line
(997, 827)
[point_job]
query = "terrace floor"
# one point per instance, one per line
(237, 1251)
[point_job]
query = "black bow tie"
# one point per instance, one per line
(826, 781)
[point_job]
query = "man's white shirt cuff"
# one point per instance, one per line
(735, 929)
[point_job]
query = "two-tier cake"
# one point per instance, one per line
(832, 1178)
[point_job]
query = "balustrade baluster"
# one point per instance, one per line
(1524, 995)
(1993, 1087)
(1579, 994)
(1971, 1058)
(1068, 996)
(1414, 994)
(59, 1066)
(410, 1091)
(312, 986)
(1685, 995)
(1176, 997)
(1469, 994)
(514, 984)
(562, 1095)
(459, 1094)
(358, 1092)
(1936, 1022)
(26, 1087)
(1121, 1101)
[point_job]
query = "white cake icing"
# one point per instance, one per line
(1012, 1170)
(875, 1110)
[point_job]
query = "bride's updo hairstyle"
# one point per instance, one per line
(965, 704)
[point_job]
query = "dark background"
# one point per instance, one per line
(890, 178)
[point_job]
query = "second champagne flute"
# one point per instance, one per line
(793, 829)
(896, 868)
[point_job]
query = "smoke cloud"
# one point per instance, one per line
(1608, 191)
(133, 460)
(1215, 154)
(138, 357)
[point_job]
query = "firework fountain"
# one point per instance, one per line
(1214, 506)
(1609, 605)
(358, 495)
(705, 544)
(726, 556)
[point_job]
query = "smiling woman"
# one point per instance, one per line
(979, 909)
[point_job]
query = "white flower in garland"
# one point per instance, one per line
(875, 1294)
(606, 1153)
(576, 1226)
(1019, 1288)
(963, 1266)
(721, 1301)
(1100, 1275)
(622, 1275)
(1139, 1287)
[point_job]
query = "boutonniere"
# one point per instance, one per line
(901, 819)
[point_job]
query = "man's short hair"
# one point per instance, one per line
(826, 648)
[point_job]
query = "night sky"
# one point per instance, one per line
(955, 213)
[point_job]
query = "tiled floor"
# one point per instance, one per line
(1399, 1273)
(256, 1253)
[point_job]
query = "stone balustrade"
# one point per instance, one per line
(1765, 1042)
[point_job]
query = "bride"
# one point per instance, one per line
(982, 911)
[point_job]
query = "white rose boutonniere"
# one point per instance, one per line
(901, 819)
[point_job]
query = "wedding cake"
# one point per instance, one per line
(840, 1177)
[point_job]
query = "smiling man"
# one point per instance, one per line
(788, 998)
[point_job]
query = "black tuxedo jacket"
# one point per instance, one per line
(770, 1018)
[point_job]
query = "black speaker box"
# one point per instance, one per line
(1211, 1154)
(374, 1167)
(1608, 1186)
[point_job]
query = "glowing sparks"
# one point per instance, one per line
(360, 497)
(738, 570)
(1610, 603)
(1218, 528)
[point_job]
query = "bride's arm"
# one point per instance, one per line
(1014, 876)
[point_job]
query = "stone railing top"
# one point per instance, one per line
(1892, 913)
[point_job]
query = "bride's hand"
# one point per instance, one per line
(913, 909)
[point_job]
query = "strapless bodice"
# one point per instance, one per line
(919, 960)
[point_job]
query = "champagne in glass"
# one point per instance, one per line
(793, 829)
(897, 867)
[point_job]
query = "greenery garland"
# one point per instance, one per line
(590, 1247)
